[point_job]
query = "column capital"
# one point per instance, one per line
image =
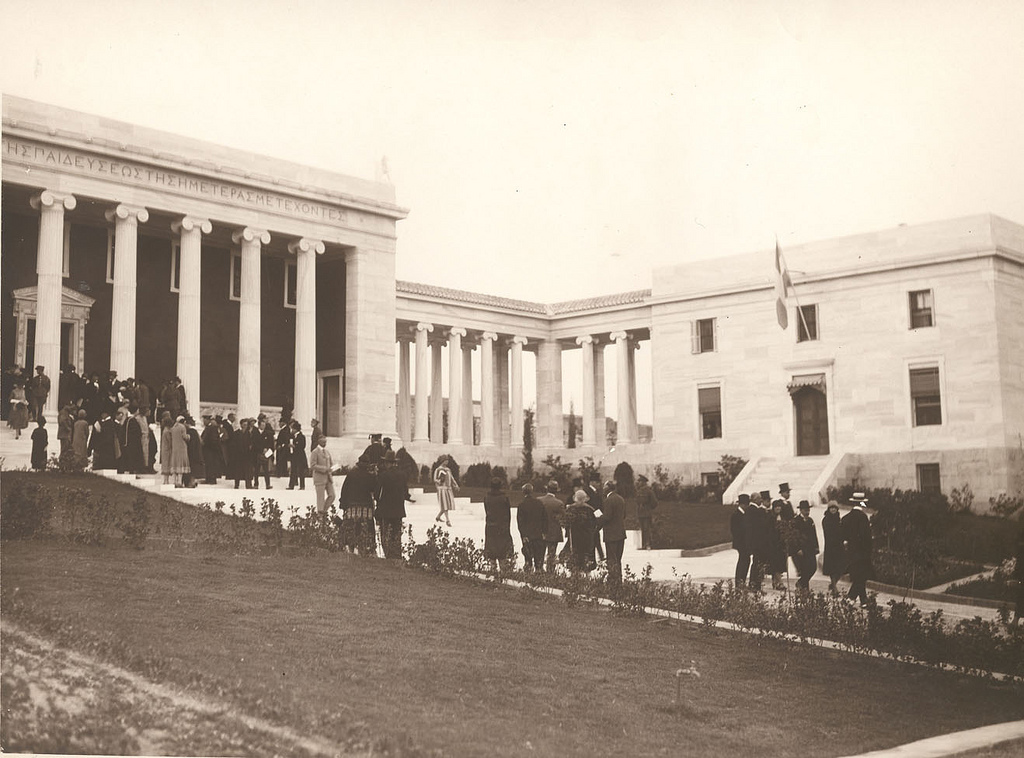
(488, 336)
(456, 331)
(188, 223)
(123, 211)
(586, 339)
(518, 340)
(250, 234)
(616, 336)
(306, 245)
(49, 198)
(424, 327)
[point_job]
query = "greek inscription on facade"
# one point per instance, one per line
(140, 174)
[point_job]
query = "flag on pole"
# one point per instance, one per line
(783, 286)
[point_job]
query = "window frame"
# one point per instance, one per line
(800, 323)
(175, 277)
(111, 238)
(700, 414)
(921, 365)
(920, 468)
(235, 266)
(291, 270)
(911, 310)
(696, 340)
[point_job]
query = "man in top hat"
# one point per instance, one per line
(374, 452)
(787, 505)
(646, 502)
(805, 547)
(857, 541)
(740, 543)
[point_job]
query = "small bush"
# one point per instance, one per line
(1005, 505)
(135, 524)
(407, 465)
(23, 512)
(478, 475)
(624, 478)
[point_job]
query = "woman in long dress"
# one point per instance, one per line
(180, 467)
(834, 558)
(498, 547)
(446, 487)
(80, 439)
(165, 447)
(40, 439)
(18, 419)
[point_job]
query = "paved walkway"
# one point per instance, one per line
(467, 522)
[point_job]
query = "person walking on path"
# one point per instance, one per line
(805, 547)
(40, 440)
(740, 543)
(299, 464)
(833, 563)
(595, 491)
(38, 392)
(498, 547)
(356, 499)
(612, 523)
(646, 502)
(18, 418)
(446, 487)
(555, 510)
(321, 464)
(532, 520)
(392, 495)
(581, 523)
(857, 540)
(758, 526)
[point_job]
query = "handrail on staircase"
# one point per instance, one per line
(731, 494)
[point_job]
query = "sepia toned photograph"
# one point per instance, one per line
(508, 378)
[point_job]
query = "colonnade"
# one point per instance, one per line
(190, 230)
(420, 406)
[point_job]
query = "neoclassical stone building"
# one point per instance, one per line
(264, 284)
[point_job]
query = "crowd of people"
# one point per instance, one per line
(768, 534)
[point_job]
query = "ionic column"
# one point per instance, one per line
(49, 274)
(422, 382)
(487, 388)
(249, 324)
(404, 421)
(549, 394)
(624, 353)
(305, 252)
(501, 412)
(516, 380)
(634, 427)
(467, 393)
(191, 230)
(455, 336)
(126, 220)
(586, 342)
(600, 424)
(436, 398)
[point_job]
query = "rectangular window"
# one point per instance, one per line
(110, 256)
(291, 270)
(709, 403)
(928, 478)
(710, 479)
(65, 261)
(925, 396)
(807, 325)
(921, 314)
(175, 266)
(704, 335)
(236, 275)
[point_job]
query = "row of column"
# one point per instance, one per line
(126, 219)
(501, 390)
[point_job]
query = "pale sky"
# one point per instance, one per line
(549, 150)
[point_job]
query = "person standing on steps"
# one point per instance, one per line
(446, 485)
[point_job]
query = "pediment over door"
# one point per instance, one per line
(73, 304)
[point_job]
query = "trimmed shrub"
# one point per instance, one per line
(624, 479)
(478, 475)
(407, 465)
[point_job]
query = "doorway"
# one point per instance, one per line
(67, 345)
(331, 404)
(811, 408)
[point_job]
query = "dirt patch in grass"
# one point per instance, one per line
(346, 649)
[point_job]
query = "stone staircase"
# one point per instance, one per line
(801, 472)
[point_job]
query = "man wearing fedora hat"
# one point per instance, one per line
(805, 549)
(857, 541)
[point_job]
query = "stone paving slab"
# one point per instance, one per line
(953, 744)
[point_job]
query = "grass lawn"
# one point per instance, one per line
(363, 651)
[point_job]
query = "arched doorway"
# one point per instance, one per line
(810, 407)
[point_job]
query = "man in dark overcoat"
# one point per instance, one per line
(646, 502)
(740, 542)
(857, 541)
(532, 520)
(758, 523)
(612, 523)
(805, 546)
(555, 509)
(392, 495)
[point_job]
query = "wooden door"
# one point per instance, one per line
(811, 422)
